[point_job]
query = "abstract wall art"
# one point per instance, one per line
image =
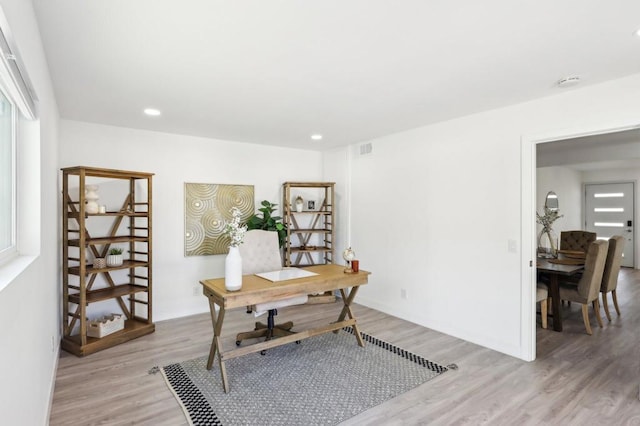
(208, 210)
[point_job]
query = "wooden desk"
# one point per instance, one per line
(554, 271)
(259, 290)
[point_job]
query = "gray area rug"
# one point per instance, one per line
(321, 381)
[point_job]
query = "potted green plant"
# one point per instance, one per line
(266, 221)
(115, 257)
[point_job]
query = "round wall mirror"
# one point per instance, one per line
(551, 202)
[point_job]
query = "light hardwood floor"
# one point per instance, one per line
(576, 380)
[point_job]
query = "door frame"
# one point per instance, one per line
(528, 162)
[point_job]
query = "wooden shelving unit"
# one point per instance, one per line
(310, 233)
(129, 226)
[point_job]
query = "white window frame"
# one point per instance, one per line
(18, 89)
(11, 251)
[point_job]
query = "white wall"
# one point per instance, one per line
(620, 175)
(177, 159)
(336, 170)
(567, 184)
(433, 210)
(30, 303)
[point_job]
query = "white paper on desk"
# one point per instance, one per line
(286, 274)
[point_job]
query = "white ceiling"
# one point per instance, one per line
(274, 72)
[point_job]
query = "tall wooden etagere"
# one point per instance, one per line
(310, 232)
(129, 226)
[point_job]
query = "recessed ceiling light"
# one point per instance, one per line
(152, 112)
(316, 137)
(568, 81)
(637, 32)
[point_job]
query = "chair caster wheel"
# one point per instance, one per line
(237, 342)
(297, 342)
(263, 352)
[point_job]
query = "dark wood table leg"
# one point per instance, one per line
(555, 302)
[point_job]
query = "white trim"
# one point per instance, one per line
(12, 269)
(527, 220)
(527, 229)
(14, 73)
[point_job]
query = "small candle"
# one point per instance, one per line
(102, 209)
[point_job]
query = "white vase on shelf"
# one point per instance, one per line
(299, 204)
(233, 270)
(91, 197)
(114, 260)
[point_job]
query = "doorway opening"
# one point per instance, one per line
(590, 152)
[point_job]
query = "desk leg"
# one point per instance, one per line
(216, 343)
(346, 310)
(555, 302)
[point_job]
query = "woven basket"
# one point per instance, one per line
(105, 325)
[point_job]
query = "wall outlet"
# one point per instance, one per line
(197, 291)
(53, 343)
(512, 246)
(403, 293)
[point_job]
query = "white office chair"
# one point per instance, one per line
(260, 252)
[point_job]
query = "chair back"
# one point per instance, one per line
(612, 265)
(260, 252)
(576, 240)
(589, 284)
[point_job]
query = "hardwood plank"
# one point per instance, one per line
(577, 379)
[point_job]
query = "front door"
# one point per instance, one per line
(609, 211)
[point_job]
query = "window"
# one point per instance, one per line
(17, 102)
(7, 177)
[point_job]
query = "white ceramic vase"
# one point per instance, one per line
(114, 260)
(233, 270)
(91, 197)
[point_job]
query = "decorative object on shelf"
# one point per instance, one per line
(348, 255)
(99, 262)
(102, 209)
(91, 199)
(299, 204)
(115, 257)
(268, 222)
(311, 205)
(233, 261)
(547, 238)
(207, 210)
(106, 325)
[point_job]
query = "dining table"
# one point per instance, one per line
(556, 269)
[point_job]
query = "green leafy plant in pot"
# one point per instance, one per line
(266, 221)
(115, 257)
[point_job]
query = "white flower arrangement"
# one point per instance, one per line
(547, 219)
(233, 228)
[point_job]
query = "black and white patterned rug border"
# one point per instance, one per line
(437, 368)
(195, 406)
(199, 412)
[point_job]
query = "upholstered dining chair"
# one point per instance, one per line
(610, 274)
(588, 287)
(576, 240)
(260, 252)
(542, 296)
